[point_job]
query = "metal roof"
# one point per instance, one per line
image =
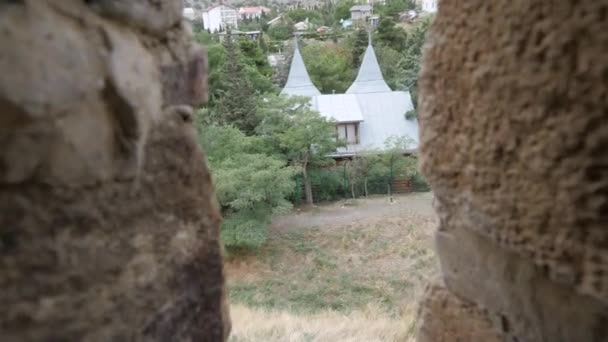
(340, 107)
(383, 117)
(298, 81)
(369, 79)
(361, 8)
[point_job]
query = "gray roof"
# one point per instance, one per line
(383, 117)
(361, 8)
(369, 79)
(298, 81)
(339, 107)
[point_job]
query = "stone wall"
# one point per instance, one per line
(108, 226)
(514, 133)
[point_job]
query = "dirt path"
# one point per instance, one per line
(338, 214)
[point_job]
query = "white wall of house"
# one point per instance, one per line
(220, 17)
(360, 15)
(429, 6)
(189, 13)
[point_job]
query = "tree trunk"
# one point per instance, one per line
(307, 189)
(365, 187)
(352, 189)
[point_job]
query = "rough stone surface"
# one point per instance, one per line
(447, 318)
(108, 226)
(514, 129)
(151, 16)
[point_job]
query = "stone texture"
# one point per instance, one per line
(108, 226)
(514, 129)
(151, 16)
(448, 318)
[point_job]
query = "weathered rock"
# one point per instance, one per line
(152, 16)
(447, 318)
(514, 129)
(108, 226)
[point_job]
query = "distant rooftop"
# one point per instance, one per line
(340, 107)
(253, 10)
(298, 81)
(361, 8)
(369, 79)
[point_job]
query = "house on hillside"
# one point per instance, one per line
(302, 26)
(304, 4)
(189, 13)
(429, 6)
(367, 115)
(253, 12)
(253, 35)
(360, 12)
(220, 17)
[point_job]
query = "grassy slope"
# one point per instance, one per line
(345, 281)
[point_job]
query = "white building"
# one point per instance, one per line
(189, 13)
(253, 12)
(220, 17)
(360, 12)
(429, 6)
(367, 115)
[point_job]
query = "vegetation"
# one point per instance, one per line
(360, 43)
(254, 174)
(304, 137)
(343, 269)
(267, 152)
(329, 66)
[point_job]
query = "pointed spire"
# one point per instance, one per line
(298, 81)
(369, 79)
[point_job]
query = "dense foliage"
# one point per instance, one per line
(329, 66)
(255, 174)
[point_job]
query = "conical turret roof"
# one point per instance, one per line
(298, 81)
(369, 79)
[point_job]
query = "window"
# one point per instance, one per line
(348, 132)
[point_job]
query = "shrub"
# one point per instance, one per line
(328, 183)
(419, 183)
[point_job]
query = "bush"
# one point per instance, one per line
(419, 183)
(250, 185)
(328, 183)
(244, 230)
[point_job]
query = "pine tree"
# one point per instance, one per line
(237, 105)
(359, 46)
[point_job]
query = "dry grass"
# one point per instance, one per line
(344, 281)
(369, 325)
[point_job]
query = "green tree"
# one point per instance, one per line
(342, 9)
(251, 185)
(300, 134)
(388, 33)
(329, 66)
(411, 59)
(364, 165)
(257, 68)
(392, 8)
(390, 62)
(400, 166)
(359, 45)
(281, 31)
(301, 14)
(237, 103)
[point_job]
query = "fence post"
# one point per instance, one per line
(344, 186)
(390, 183)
